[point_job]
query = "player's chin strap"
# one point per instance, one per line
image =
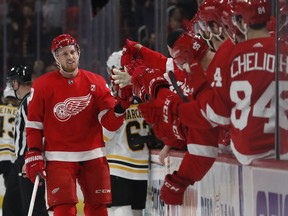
(176, 87)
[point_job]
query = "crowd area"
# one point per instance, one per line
(28, 21)
(63, 125)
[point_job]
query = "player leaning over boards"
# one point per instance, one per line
(68, 107)
(238, 100)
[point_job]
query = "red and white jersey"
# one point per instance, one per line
(218, 62)
(154, 59)
(7, 123)
(243, 98)
(127, 157)
(69, 114)
(202, 143)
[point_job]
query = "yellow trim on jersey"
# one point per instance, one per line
(133, 106)
(128, 169)
(105, 138)
(7, 153)
(7, 146)
(127, 159)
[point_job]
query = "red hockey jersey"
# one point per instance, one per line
(69, 114)
(243, 98)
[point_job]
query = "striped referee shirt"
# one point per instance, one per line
(20, 140)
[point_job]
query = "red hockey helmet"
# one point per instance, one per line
(193, 26)
(188, 48)
(62, 41)
(253, 12)
(210, 12)
(227, 12)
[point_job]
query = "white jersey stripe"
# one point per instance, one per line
(75, 156)
(202, 150)
(215, 117)
(34, 124)
(127, 159)
(247, 159)
(129, 169)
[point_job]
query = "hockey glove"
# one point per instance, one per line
(130, 52)
(157, 111)
(171, 135)
(134, 47)
(173, 189)
(34, 162)
(151, 79)
(121, 78)
(124, 99)
(166, 132)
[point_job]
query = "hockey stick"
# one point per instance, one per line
(34, 193)
(176, 87)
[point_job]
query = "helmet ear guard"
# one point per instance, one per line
(193, 26)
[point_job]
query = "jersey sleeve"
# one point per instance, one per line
(202, 146)
(212, 103)
(35, 118)
(106, 103)
(154, 59)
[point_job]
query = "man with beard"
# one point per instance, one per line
(68, 108)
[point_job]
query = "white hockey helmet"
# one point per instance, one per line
(114, 61)
(8, 92)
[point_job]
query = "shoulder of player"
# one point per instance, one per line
(265, 43)
(45, 78)
(91, 75)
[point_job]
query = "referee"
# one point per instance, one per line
(19, 189)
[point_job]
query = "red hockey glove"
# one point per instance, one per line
(130, 68)
(171, 135)
(173, 189)
(165, 131)
(133, 47)
(157, 111)
(151, 79)
(124, 99)
(130, 52)
(126, 57)
(140, 92)
(34, 162)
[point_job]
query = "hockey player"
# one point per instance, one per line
(69, 107)
(202, 151)
(128, 155)
(19, 188)
(238, 101)
(8, 109)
